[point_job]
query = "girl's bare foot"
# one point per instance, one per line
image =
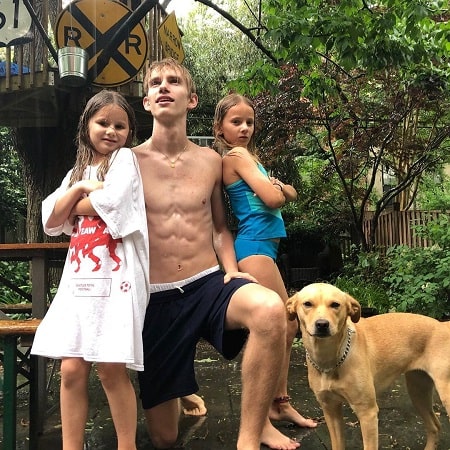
(193, 405)
(281, 409)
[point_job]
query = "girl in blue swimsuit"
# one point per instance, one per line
(256, 199)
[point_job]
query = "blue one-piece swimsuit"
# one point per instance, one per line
(259, 227)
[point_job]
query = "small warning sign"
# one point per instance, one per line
(170, 37)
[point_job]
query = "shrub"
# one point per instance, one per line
(407, 279)
(362, 278)
(369, 295)
(18, 274)
(419, 278)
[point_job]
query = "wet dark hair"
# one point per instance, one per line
(224, 105)
(85, 149)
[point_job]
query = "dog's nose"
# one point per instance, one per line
(322, 327)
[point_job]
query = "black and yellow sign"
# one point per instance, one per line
(91, 25)
(169, 35)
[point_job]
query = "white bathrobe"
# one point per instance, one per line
(99, 309)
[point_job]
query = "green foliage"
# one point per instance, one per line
(12, 192)
(18, 274)
(259, 70)
(437, 231)
(350, 34)
(434, 192)
(407, 279)
(320, 208)
(297, 343)
(360, 86)
(216, 52)
(419, 278)
(369, 295)
(362, 278)
(358, 115)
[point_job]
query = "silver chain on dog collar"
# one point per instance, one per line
(341, 359)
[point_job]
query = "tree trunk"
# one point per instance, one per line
(45, 162)
(47, 154)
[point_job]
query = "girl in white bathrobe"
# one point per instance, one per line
(98, 312)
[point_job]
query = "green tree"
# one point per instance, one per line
(357, 35)
(216, 52)
(365, 89)
(435, 192)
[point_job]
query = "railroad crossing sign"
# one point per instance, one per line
(169, 35)
(15, 23)
(91, 25)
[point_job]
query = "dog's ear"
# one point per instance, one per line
(354, 309)
(291, 306)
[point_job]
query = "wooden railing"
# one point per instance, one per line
(28, 65)
(397, 228)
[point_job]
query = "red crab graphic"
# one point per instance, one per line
(89, 233)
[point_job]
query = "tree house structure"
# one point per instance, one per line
(120, 39)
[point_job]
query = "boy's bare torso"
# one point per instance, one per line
(178, 204)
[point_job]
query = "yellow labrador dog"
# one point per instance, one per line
(352, 360)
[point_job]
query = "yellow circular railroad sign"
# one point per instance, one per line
(91, 25)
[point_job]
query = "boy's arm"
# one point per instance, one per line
(222, 238)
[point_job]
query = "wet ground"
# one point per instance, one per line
(399, 427)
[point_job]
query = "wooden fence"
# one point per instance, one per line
(397, 228)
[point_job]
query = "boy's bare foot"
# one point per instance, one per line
(281, 409)
(193, 405)
(276, 440)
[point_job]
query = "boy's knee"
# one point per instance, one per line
(271, 312)
(162, 425)
(163, 439)
(163, 443)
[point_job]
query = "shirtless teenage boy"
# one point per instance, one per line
(191, 297)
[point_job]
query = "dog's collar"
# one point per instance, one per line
(341, 359)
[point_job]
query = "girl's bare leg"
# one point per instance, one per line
(74, 401)
(122, 402)
(281, 408)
